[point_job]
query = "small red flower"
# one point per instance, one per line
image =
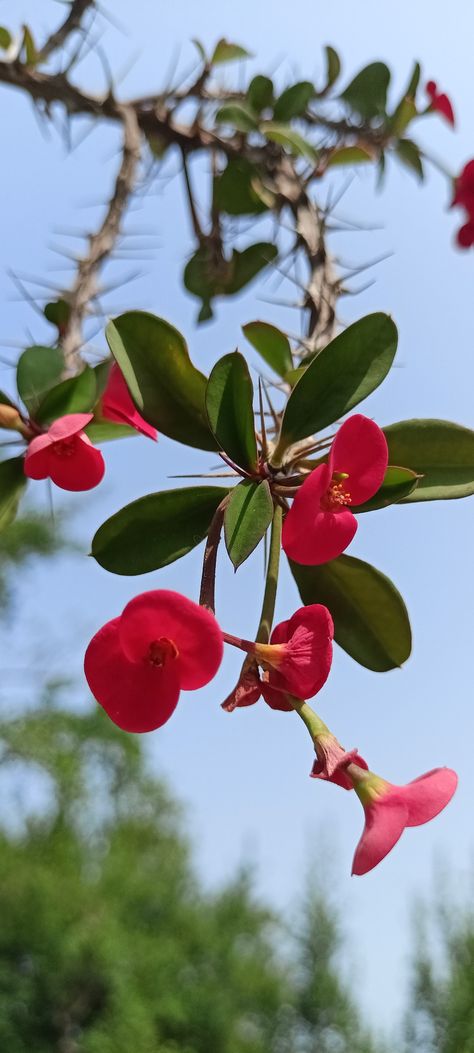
(465, 235)
(137, 664)
(464, 196)
(296, 661)
(440, 102)
(320, 524)
(117, 405)
(390, 809)
(66, 455)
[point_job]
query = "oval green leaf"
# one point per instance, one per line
(367, 93)
(38, 370)
(294, 101)
(76, 395)
(239, 116)
(163, 383)
(440, 452)
(286, 136)
(344, 373)
(156, 530)
(226, 51)
(229, 404)
(370, 618)
(398, 483)
(260, 93)
(271, 344)
(246, 519)
(12, 484)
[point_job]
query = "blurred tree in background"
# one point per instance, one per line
(108, 941)
(441, 1015)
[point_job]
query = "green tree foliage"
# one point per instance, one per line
(31, 535)
(441, 1015)
(108, 942)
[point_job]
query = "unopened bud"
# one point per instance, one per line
(10, 417)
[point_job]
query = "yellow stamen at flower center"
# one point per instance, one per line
(161, 651)
(269, 656)
(336, 497)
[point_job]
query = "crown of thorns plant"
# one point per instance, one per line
(300, 466)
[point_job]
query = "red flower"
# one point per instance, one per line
(137, 664)
(320, 525)
(117, 405)
(389, 809)
(464, 196)
(66, 455)
(297, 660)
(439, 102)
(465, 235)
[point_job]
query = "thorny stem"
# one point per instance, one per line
(208, 580)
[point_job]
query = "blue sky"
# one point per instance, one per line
(244, 777)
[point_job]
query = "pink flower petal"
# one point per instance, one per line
(36, 464)
(360, 450)
(163, 614)
(66, 427)
(308, 652)
(81, 468)
(117, 405)
(385, 822)
(137, 697)
(426, 796)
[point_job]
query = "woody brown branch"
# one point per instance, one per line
(70, 25)
(101, 243)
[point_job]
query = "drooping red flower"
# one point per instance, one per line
(296, 661)
(464, 196)
(66, 455)
(390, 809)
(320, 524)
(440, 102)
(137, 664)
(117, 405)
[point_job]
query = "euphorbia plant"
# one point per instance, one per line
(301, 466)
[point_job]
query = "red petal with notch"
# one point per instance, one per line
(138, 697)
(194, 631)
(360, 450)
(81, 468)
(307, 656)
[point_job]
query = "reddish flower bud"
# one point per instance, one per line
(389, 809)
(320, 524)
(137, 664)
(440, 102)
(66, 455)
(117, 405)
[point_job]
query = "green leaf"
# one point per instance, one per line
(156, 530)
(106, 430)
(294, 101)
(271, 344)
(234, 191)
(246, 519)
(5, 38)
(38, 370)
(229, 404)
(239, 116)
(333, 68)
(367, 92)
(414, 81)
(441, 452)
(200, 49)
(409, 154)
(286, 136)
(5, 400)
(344, 373)
(225, 51)
(28, 46)
(260, 93)
(370, 618)
(12, 484)
(76, 395)
(398, 483)
(165, 386)
(248, 263)
(405, 112)
(58, 313)
(350, 155)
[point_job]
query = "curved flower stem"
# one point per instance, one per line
(271, 583)
(314, 724)
(208, 579)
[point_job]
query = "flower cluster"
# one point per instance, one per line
(64, 453)
(137, 664)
